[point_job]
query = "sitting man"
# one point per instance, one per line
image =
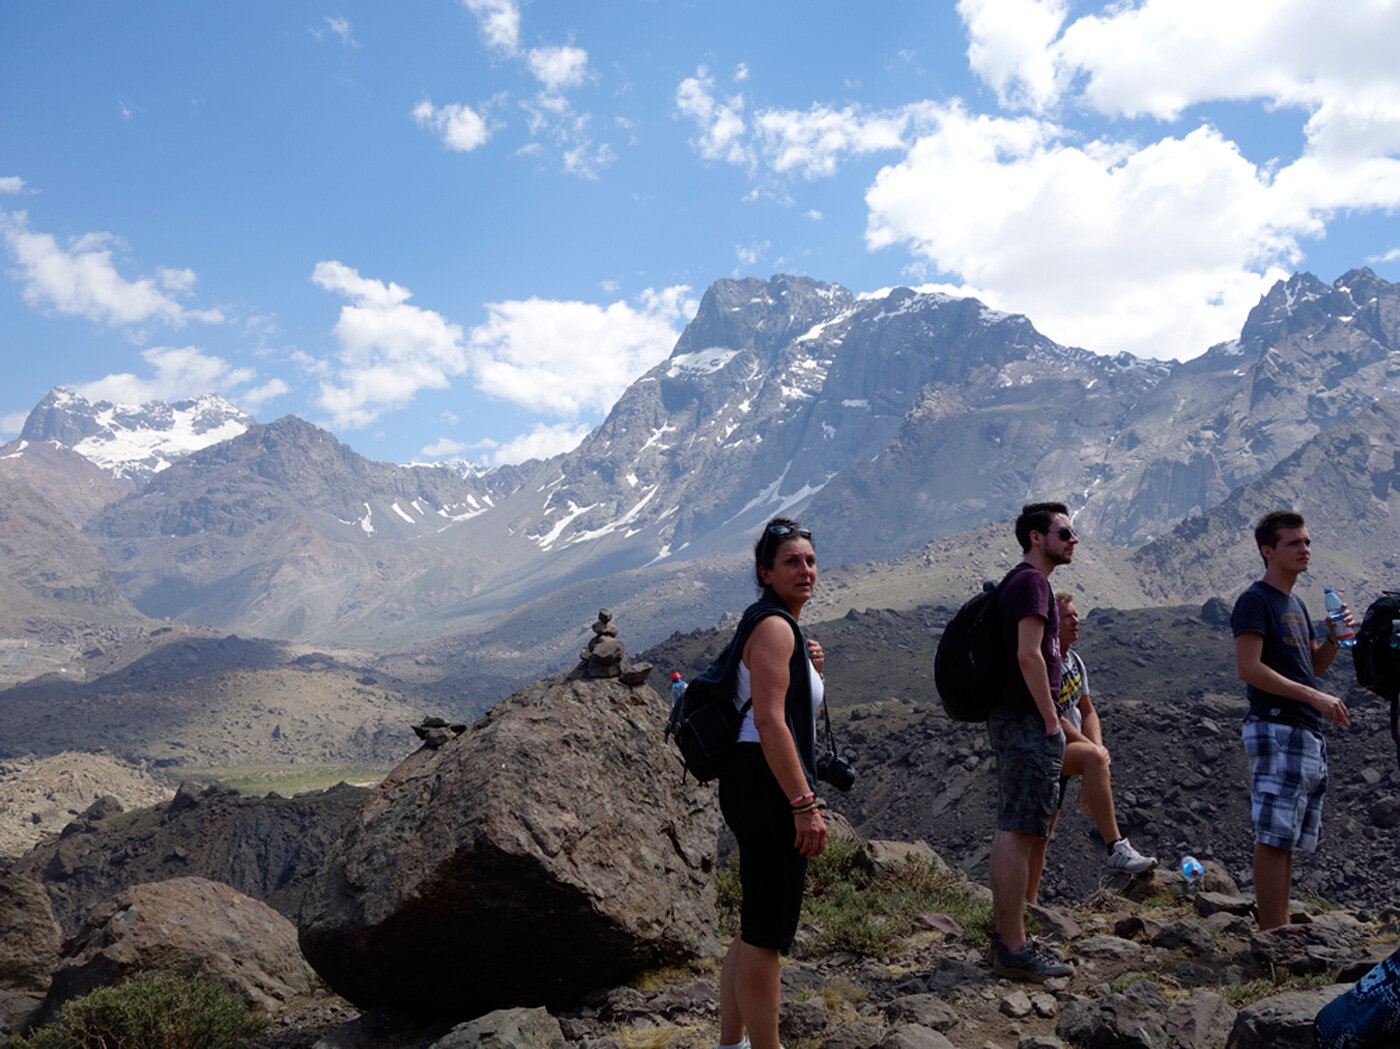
(1086, 756)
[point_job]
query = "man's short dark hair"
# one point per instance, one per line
(1271, 524)
(1035, 517)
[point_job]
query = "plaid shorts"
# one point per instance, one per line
(1288, 778)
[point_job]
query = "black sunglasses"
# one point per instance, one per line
(786, 529)
(1065, 534)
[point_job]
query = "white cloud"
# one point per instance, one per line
(339, 26)
(749, 254)
(721, 121)
(12, 422)
(741, 72)
(444, 446)
(459, 127)
(11, 184)
(181, 372)
(559, 68)
(389, 350)
(1157, 58)
(254, 399)
(82, 279)
(565, 358)
(500, 23)
(540, 443)
(1158, 250)
(812, 143)
(1392, 255)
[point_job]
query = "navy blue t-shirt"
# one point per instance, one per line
(1288, 637)
(1026, 592)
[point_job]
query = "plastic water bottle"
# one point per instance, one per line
(1192, 870)
(1346, 636)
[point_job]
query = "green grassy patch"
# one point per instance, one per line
(151, 1010)
(1247, 992)
(847, 909)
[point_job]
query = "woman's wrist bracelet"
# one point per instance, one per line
(801, 798)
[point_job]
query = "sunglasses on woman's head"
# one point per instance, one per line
(786, 529)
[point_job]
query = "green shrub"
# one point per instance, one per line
(149, 1011)
(849, 910)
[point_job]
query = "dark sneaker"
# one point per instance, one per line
(1026, 964)
(1044, 949)
(1123, 857)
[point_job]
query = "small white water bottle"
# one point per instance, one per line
(1192, 870)
(1346, 636)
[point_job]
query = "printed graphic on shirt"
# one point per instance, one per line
(1071, 683)
(1295, 630)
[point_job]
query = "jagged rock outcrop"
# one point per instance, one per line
(185, 925)
(265, 847)
(551, 849)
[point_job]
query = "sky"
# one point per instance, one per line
(461, 228)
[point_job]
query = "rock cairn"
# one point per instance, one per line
(604, 655)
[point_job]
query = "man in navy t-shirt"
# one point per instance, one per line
(1025, 734)
(1279, 657)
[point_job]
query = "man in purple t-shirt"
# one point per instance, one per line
(1024, 730)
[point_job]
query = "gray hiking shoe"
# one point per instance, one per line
(1026, 964)
(1123, 857)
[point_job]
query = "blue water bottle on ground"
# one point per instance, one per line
(1346, 636)
(1192, 870)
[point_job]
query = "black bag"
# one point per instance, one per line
(968, 663)
(1377, 655)
(704, 721)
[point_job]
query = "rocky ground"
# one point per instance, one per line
(1154, 966)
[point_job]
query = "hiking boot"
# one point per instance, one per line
(1123, 857)
(1044, 949)
(1026, 964)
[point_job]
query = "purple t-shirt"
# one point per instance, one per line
(1026, 592)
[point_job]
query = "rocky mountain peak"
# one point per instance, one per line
(1304, 304)
(133, 442)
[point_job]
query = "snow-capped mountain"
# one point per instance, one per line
(885, 422)
(133, 442)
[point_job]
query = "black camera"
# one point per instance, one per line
(836, 770)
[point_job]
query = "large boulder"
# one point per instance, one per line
(29, 936)
(184, 925)
(551, 849)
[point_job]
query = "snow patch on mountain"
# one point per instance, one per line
(701, 362)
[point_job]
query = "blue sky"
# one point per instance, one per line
(462, 227)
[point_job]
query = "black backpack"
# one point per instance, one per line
(1377, 655)
(704, 721)
(969, 661)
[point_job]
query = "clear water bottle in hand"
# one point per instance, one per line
(1192, 870)
(1346, 636)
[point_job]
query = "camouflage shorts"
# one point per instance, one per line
(1028, 771)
